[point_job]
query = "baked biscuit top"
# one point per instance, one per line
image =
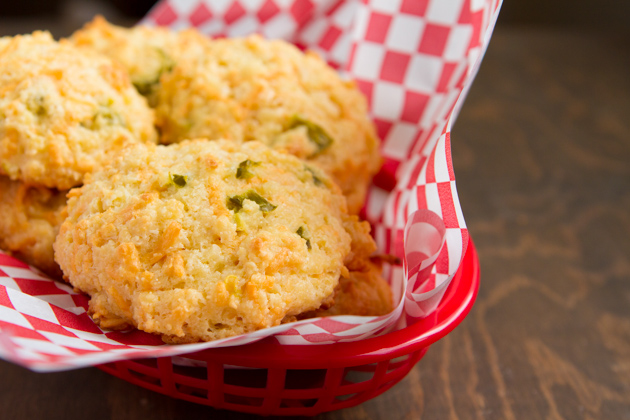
(204, 240)
(146, 52)
(62, 110)
(251, 88)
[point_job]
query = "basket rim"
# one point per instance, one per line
(269, 353)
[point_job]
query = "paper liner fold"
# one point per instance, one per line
(414, 60)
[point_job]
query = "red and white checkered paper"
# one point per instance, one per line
(414, 60)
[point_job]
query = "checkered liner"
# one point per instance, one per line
(414, 60)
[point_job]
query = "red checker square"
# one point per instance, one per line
(329, 38)
(464, 16)
(413, 177)
(42, 325)
(106, 346)
(267, 11)
(388, 241)
(421, 197)
(333, 326)
(9, 261)
(414, 7)
(394, 67)
(4, 298)
(366, 88)
(301, 46)
(39, 287)
(301, 10)
(476, 21)
(426, 286)
(449, 159)
(79, 352)
(377, 27)
(386, 177)
(430, 171)
(292, 331)
(414, 106)
(382, 127)
(81, 301)
(445, 77)
(465, 239)
(462, 79)
(441, 264)
(164, 15)
(434, 39)
(200, 15)
(448, 207)
(20, 331)
(81, 322)
(234, 13)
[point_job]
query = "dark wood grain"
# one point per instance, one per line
(542, 157)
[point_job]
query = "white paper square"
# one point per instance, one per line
(42, 346)
(441, 168)
(433, 198)
(67, 341)
(344, 15)
(249, 5)
(281, 26)
(457, 43)
(361, 23)
(444, 11)
(399, 139)
(243, 26)
(404, 33)
(30, 305)
(367, 61)
(341, 51)
(314, 31)
(388, 6)
(424, 73)
(212, 27)
(388, 100)
(218, 7)
(23, 273)
(432, 108)
(185, 7)
(14, 317)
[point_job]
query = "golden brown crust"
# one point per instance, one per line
(30, 219)
(62, 110)
(146, 52)
(176, 241)
(269, 91)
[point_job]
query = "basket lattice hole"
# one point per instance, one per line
(358, 374)
(250, 378)
(305, 378)
(192, 391)
(243, 400)
(146, 378)
(190, 372)
(345, 397)
(397, 363)
(287, 403)
(147, 362)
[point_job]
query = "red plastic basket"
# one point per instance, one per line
(268, 378)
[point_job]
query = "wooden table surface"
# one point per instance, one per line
(542, 158)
